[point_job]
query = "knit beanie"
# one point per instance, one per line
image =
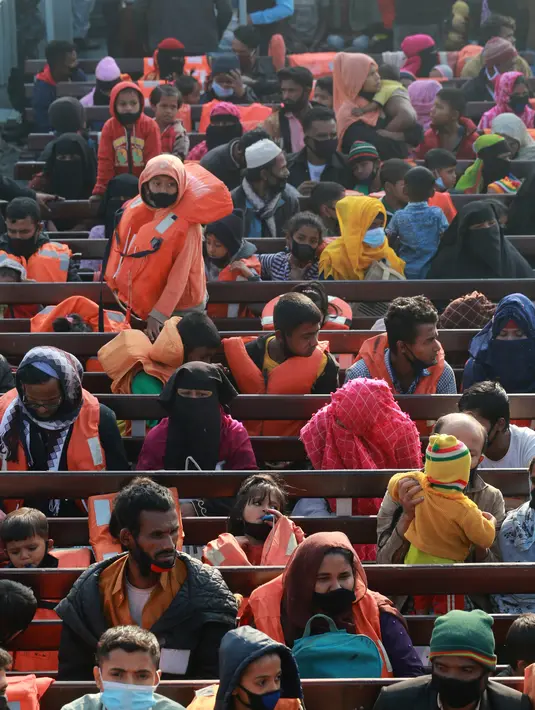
(447, 463)
(66, 115)
(467, 634)
(107, 70)
(360, 150)
(498, 50)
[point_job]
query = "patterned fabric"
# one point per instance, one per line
(471, 311)
(265, 211)
(276, 267)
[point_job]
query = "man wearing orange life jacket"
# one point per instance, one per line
(290, 362)
(156, 265)
(408, 356)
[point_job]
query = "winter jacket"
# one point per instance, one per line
(287, 206)
(197, 619)
(464, 150)
(94, 702)
(42, 239)
(336, 170)
(9, 189)
(125, 150)
(44, 93)
(220, 162)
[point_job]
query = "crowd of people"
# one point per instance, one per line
(313, 162)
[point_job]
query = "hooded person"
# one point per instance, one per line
(325, 576)
(225, 82)
(362, 242)
(423, 94)
(255, 672)
(504, 350)
(107, 75)
(129, 138)
(70, 171)
(474, 247)
(511, 96)
(66, 115)
(362, 428)
(225, 126)
(421, 54)
(167, 61)
(169, 276)
(514, 130)
(490, 172)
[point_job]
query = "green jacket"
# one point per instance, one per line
(92, 702)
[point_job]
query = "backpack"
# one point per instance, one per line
(336, 654)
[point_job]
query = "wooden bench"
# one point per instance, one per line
(39, 141)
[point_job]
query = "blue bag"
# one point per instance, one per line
(336, 654)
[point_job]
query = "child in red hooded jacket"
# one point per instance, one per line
(129, 138)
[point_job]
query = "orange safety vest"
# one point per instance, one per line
(251, 115)
(205, 700)
(296, 375)
(183, 113)
(84, 452)
(114, 321)
(198, 66)
(265, 607)
(320, 63)
(25, 691)
(98, 517)
(233, 310)
(340, 314)
(49, 264)
(277, 549)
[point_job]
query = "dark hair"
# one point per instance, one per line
(493, 26)
(520, 640)
(72, 323)
(420, 184)
(169, 90)
(488, 399)
(251, 137)
(345, 553)
(300, 75)
(186, 84)
(140, 494)
(318, 113)
(531, 464)
(247, 35)
(22, 207)
(390, 72)
(8, 271)
(56, 51)
(23, 523)
(324, 192)
(197, 330)
(30, 375)
(403, 317)
(317, 294)
(18, 604)
(129, 639)
(439, 158)
(455, 98)
(255, 488)
(304, 218)
(325, 83)
(293, 310)
(393, 171)
(5, 659)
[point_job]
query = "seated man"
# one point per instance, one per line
(290, 362)
(18, 604)
(227, 161)
(186, 604)
(126, 673)
(226, 82)
(462, 659)
(408, 356)
(284, 126)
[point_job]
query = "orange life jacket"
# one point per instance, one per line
(98, 514)
(50, 263)
(265, 607)
(296, 375)
(84, 452)
(205, 700)
(277, 549)
(233, 310)
(199, 67)
(25, 691)
(114, 321)
(340, 314)
(320, 63)
(251, 115)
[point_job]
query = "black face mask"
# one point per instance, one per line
(323, 149)
(162, 200)
(258, 531)
(457, 693)
(128, 119)
(23, 247)
(335, 602)
(418, 366)
(220, 135)
(169, 65)
(518, 103)
(304, 253)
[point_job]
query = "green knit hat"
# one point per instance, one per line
(360, 150)
(465, 633)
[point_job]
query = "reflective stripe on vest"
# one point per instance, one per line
(53, 254)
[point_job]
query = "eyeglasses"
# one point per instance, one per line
(48, 406)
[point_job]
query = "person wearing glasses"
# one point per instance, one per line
(48, 422)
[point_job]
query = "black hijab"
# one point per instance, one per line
(466, 253)
(121, 188)
(71, 179)
(195, 423)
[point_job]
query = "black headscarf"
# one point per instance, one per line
(73, 179)
(120, 189)
(494, 167)
(466, 253)
(101, 95)
(195, 423)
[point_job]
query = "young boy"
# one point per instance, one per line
(443, 164)
(415, 231)
(323, 92)
(190, 89)
(129, 139)
(520, 645)
(449, 128)
(165, 101)
(126, 673)
(364, 163)
(392, 176)
(24, 534)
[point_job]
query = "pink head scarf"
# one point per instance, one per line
(349, 76)
(225, 108)
(422, 94)
(411, 47)
(504, 86)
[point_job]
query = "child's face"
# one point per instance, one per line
(397, 191)
(195, 96)
(448, 175)
(135, 668)
(323, 97)
(163, 183)
(127, 102)
(214, 248)
(165, 112)
(363, 169)
(28, 552)
(260, 677)
(442, 113)
(257, 507)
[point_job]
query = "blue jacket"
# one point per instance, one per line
(44, 93)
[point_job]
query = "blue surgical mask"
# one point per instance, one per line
(375, 237)
(126, 696)
(220, 91)
(440, 183)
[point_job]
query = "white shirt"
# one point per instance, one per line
(521, 450)
(316, 171)
(137, 598)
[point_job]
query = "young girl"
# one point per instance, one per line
(299, 262)
(258, 531)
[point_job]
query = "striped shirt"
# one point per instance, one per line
(276, 267)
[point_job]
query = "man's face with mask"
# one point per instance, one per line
(294, 96)
(156, 541)
(425, 347)
(321, 139)
(22, 234)
(460, 681)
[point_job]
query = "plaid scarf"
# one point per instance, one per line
(264, 211)
(18, 421)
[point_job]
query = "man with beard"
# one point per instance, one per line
(284, 126)
(186, 604)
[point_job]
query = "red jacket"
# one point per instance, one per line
(465, 150)
(125, 151)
